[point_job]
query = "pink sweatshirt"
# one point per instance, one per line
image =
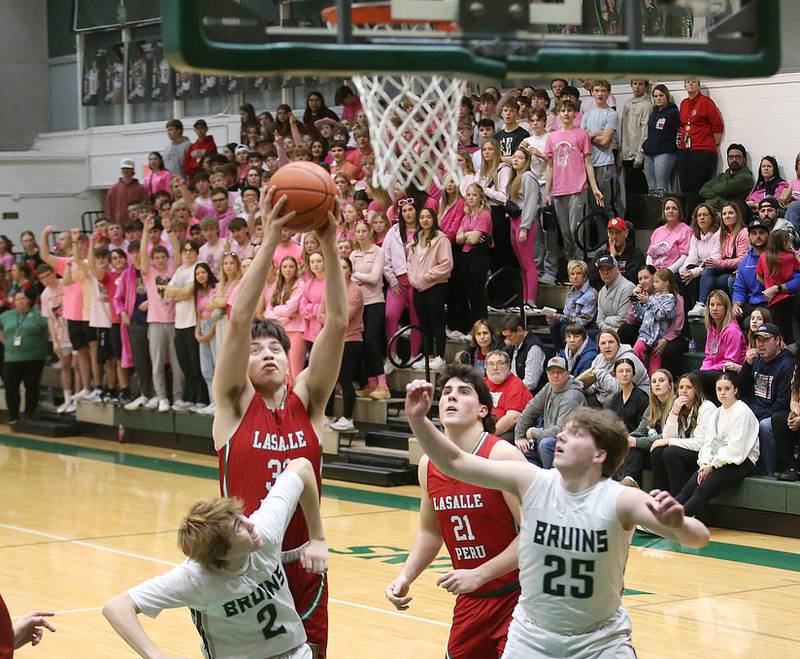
(368, 273)
(723, 346)
(450, 221)
(738, 245)
(431, 265)
(287, 249)
(311, 298)
(287, 314)
(395, 254)
(702, 248)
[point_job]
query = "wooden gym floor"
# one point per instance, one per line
(83, 519)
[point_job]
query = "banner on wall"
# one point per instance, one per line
(149, 72)
(103, 73)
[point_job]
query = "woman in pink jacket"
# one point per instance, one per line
(733, 245)
(724, 341)
(367, 259)
(399, 295)
(282, 300)
(311, 298)
(430, 262)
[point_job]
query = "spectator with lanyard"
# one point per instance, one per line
(700, 134)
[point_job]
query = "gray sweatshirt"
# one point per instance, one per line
(613, 303)
(606, 384)
(554, 405)
(173, 155)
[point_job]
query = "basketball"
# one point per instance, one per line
(309, 191)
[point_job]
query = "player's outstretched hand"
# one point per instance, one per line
(271, 217)
(397, 593)
(665, 509)
(30, 628)
(459, 582)
(419, 396)
(314, 556)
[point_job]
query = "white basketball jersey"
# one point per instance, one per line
(246, 613)
(572, 553)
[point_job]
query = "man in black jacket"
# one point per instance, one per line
(526, 352)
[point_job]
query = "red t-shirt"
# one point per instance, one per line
(787, 266)
(700, 119)
(511, 395)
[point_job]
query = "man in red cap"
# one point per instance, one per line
(629, 257)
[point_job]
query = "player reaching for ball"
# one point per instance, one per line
(261, 423)
(575, 529)
(233, 581)
(477, 524)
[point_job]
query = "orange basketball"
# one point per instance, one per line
(309, 191)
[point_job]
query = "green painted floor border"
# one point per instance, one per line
(770, 558)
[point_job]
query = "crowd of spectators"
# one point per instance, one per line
(148, 291)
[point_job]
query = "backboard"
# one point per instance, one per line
(493, 39)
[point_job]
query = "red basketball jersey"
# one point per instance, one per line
(263, 444)
(475, 521)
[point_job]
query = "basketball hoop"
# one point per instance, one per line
(413, 120)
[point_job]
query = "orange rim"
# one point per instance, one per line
(381, 14)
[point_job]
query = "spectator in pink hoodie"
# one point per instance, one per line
(724, 341)
(430, 262)
(282, 300)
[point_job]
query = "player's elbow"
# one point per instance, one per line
(114, 607)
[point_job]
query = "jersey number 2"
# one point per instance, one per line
(581, 571)
(267, 630)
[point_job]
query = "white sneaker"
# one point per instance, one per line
(152, 404)
(418, 365)
(342, 424)
(436, 363)
(181, 405)
(163, 405)
(194, 409)
(136, 403)
(80, 395)
(388, 367)
(96, 396)
(71, 408)
(698, 311)
(453, 334)
(63, 407)
(208, 410)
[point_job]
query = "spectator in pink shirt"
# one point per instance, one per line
(282, 300)
(159, 178)
(313, 292)
(475, 238)
(160, 321)
(669, 244)
(724, 341)
(288, 246)
(211, 251)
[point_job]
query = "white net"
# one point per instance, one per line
(413, 124)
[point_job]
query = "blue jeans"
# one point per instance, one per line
(766, 444)
(712, 279)
(208, 357)
(547, 449)
(660, 171)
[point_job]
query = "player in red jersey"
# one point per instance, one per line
(261, 422)
(478, 526)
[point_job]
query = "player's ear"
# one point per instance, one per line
(483, 412)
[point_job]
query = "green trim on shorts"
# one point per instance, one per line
(305, 615)
(505, 590)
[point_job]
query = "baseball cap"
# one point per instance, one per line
(769, 201)
(758, 223)
(768, 330)
(325, 121)
(127, 163)
(241, 148)
(557, 362)
(618, 224)
(606, 261)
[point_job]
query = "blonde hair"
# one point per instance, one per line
(657, 412)
(482, 207)
(515, 183)
(581, 265)
(489, 169)
(722, 296)
(202, 533)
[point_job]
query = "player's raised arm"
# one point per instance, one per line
(511, 476)
(123, 615)
(662, 514)
(315, 384)
(230, 378)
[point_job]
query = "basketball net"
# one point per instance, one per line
(413, 125)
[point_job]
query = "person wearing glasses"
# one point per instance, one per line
(221, 204)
